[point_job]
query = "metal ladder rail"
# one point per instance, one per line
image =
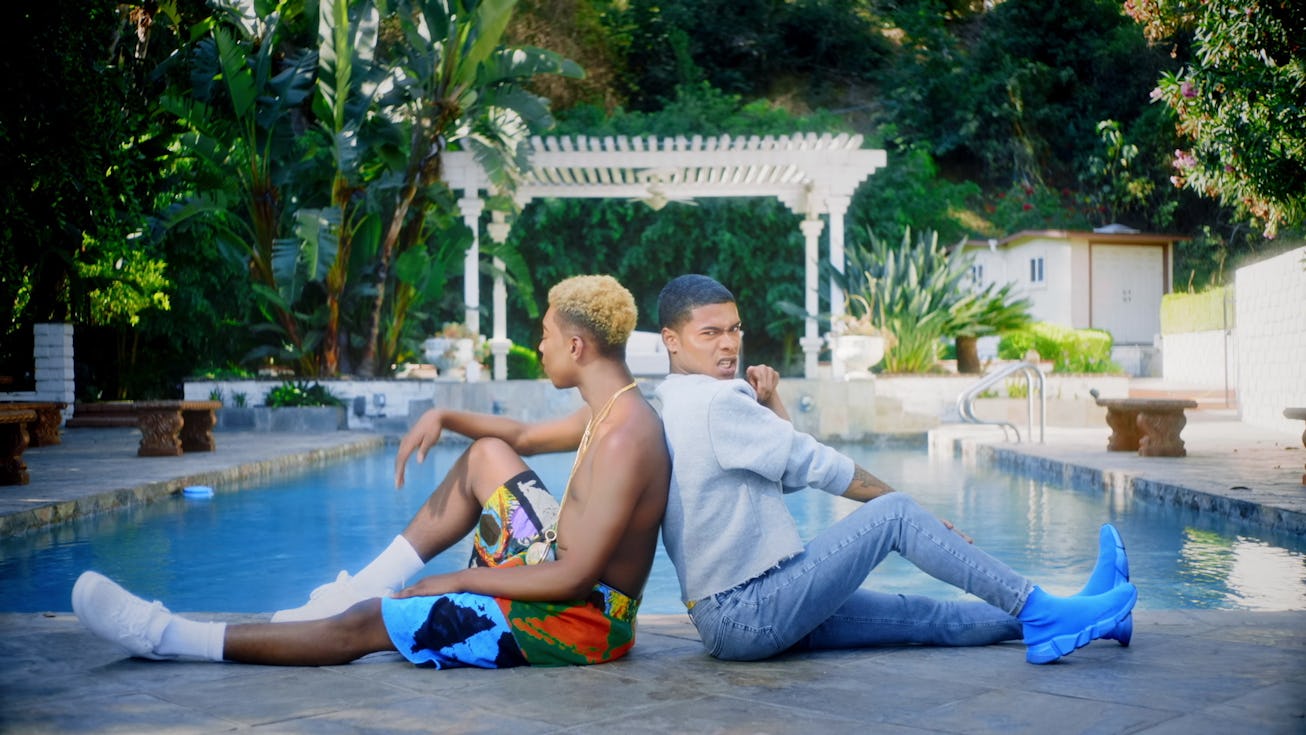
(1031, 372)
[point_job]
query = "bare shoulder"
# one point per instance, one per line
(635, 436)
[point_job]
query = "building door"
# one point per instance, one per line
(1128, 282)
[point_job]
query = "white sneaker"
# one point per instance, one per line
(330, 599)
(116, 615)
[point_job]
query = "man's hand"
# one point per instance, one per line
(424, 434)
(766, 381)
(438, 584)
(948, 525)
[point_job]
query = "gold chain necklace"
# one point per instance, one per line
(540, 550)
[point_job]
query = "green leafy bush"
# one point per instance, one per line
(1069, 350)
(301, 393)
(523, 363)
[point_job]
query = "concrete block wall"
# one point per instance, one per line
(1270, 303)
(52, 353)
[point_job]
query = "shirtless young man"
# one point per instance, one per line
(537, 594)
(755, 589)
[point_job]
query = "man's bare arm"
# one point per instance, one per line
(866, 486)
(559, 435)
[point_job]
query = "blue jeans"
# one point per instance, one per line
(815, 600)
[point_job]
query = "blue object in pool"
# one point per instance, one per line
(198, 491)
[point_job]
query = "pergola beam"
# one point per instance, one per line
(813, 175)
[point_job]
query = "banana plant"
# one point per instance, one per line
(452, 84)
(348, 78)
(238, 114)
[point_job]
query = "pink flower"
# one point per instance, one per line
(1187, 89)
(1027, 206)
(1184, 160)
(1156, 94)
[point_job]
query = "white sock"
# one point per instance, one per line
(390, 570)
(188, 638)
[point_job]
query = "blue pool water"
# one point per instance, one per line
(258, 548)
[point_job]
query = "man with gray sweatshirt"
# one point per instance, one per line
(754, 589)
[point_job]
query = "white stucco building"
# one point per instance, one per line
(1110, 279)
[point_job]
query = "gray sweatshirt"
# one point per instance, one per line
(732, 459)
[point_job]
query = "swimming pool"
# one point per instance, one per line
(263, 547)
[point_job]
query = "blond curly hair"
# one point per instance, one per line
(599, 305)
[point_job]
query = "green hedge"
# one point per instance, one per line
(1197, 312)
(1069, 350)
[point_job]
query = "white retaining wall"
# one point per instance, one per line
(1270, 304)
(1200, 359)
(395, 394)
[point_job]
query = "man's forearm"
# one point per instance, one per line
(865, 486)
(777, 406)
(480, 425)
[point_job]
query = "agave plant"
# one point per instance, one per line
(919, 293)
(914, 291)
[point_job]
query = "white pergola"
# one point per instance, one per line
(813, 175)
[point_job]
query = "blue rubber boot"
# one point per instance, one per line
(1112, 568)
(1055, 626)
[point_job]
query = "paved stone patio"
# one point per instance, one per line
(1188, 672)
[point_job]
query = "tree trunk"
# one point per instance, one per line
(968, 362)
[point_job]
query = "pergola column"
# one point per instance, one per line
(499, 343)
(811, 341)
(837, 206)
(471, 207)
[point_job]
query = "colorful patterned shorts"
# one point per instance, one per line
(464, 629)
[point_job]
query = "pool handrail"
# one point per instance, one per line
(1032, 372)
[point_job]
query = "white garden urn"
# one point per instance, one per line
(451, 356)
(858, 353)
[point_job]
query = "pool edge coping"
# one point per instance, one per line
(1127, 483)
(22, 521)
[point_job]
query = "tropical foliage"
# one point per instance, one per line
(345, 208)
(1238, 100)
(270, 169)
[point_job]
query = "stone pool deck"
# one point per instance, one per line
(1188, 672)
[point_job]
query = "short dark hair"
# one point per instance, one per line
(683, 294)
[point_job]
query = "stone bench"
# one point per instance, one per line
(13, 442)
(1298, 413)
(1149, 425)
(103, 414)
(43, 431)
(169, 428)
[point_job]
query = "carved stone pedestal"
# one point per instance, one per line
(13, 442)
(170, 427)
(1149, 425)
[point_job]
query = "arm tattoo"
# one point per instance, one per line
(865, 485)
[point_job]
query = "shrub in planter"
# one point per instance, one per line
(300, 393)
